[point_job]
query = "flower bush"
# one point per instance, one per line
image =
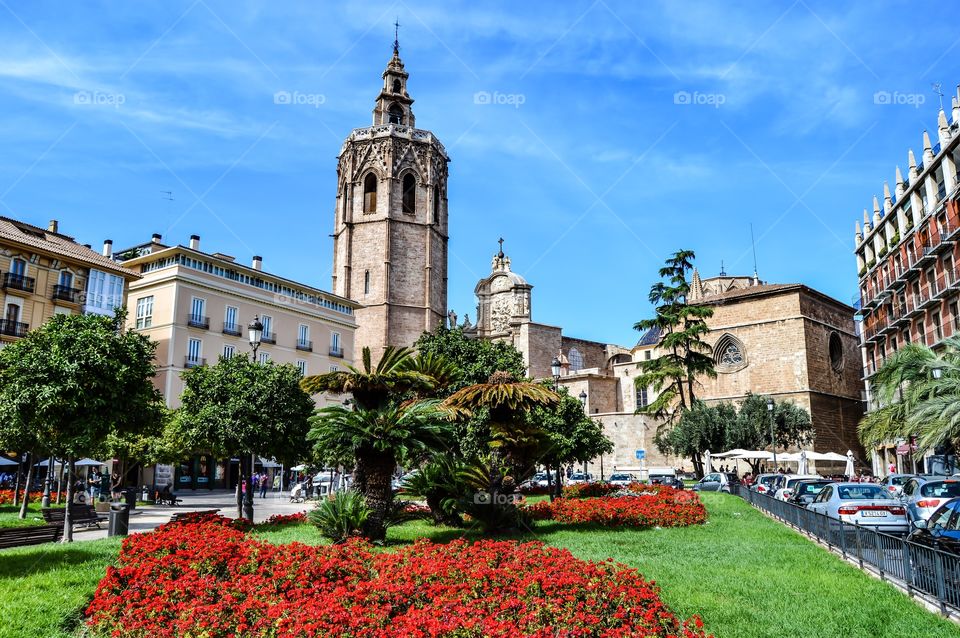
(286, 519)
(589, 490)
(638, 506)
(6, 496)
(205, 578)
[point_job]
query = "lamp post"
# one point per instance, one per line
(583, 402)
(46, 483)
(555, 371)
(773, 440)
(245, 501)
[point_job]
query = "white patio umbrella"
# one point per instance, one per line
(848, 469)
(5, 461)
(708, 463)
(803, 468)
(89, 463)
(299, 468)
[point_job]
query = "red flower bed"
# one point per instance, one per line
(286, 519)
(589, 490)
(6, 496)
(208, 579)
(654, 506)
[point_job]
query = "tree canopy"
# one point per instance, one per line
(475, 359)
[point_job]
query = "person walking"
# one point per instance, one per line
(264, 485)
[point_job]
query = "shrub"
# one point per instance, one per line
(340, 516)
(895, 239)
(208, 579)
(286, 519)
(883, 251)
(636, 506)
(588, 490)
(6, 496)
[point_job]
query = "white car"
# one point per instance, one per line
(579, 477)
(866, 504)
(786, 489)
(622, 479)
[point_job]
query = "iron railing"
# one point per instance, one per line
(920, 570)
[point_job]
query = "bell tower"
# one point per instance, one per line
(390, 225)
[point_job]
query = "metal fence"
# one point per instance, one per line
(921, 571)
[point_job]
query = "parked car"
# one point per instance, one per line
(622, 479)
(579, 477)
(803, 492)
(762, 482)
(717, 482)
(537, 480)
(923, 495)
(866, 504)
(664, 476)
(785, 485)
(941, 530)
(894, 482)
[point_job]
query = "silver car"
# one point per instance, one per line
(622, 479)
(894, 482)
(763, 482)
(922, 495)
(866, 504)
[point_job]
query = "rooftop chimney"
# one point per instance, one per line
(257, 262)
(108, 248)
(156, 238)
(53, 226)
(194, 242)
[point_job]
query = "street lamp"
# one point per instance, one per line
(45, 502)
(583, 402)
(555, 371)
(773, 440)
(255, 330)
(936, 372)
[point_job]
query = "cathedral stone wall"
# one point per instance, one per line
(540, 344)
(594, 354)
(629, 433)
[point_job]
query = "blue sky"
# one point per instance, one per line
(615, 133)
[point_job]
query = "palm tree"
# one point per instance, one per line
(378, 438)
(373, 387)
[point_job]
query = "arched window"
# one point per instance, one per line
(836, 352)
(396, 87)
(729, 354)
(409, 194)
(343, 203)
(370, 193)
(396, 114)
(436, 204)
(13, 313)
(575, 359)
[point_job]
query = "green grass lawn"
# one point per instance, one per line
(746, 575)
(10, 516)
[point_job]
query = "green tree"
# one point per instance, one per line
(240, 407)
(378, 439)
(73, 382)
(684, 355)
(751, 429)
(702, 427)
(475, 359)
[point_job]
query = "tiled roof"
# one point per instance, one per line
(42, 239)
(762, 289)
(649, 338)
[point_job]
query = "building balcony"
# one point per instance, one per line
(13, 281)
(193, 362)
(198, 321)
(269, 337)
(336, 352)
(232, 329)
(306, 346)
(926, 254)
(13, 328)
(65, 293)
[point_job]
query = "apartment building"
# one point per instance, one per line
(197, 306)
(45, 272)
(907, 259)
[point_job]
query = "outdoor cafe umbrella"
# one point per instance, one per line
(708, 464)
(5, 461)
(848, 470)
(803, 467)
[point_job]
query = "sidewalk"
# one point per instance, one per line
(147, 517)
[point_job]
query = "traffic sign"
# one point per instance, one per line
(641, 454)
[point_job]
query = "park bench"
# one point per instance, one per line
(82, 515)
(180, 516)
(34, 535)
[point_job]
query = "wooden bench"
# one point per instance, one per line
(83, 515)
(181, 516)
(34, 535)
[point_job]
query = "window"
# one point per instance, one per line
(893, 344)
(409, 194)
(366, 282)
(194, 348)
(937, 328)
(955, 320)
(436, 204)
(836, 352)
(575, 359)
(104, 293)
(728, 354)
(932, 282)
(302, 367)
(144, 318)
(230, 316)
(198, 307)
(647, 355)
(370, 193)
(335, 344)
(13, 313)
(66, 279)
(228, 352)
(303, 334)
(18, 267)
(642, 397)
(395, 114)
(906, 336)
(396, 87)
(949, 276)
(267, 322)
(264, 357)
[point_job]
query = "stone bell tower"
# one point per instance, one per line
(390, 227)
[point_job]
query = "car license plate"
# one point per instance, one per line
(873, 513)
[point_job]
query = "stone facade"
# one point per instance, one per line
(390, 227)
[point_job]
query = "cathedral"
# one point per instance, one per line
(390, 229)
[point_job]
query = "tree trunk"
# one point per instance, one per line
(240, 488)
(16, 482)
(63, 469)
(377, 470)
(26, 491)
(697, 465)
(559, 485)
(67, 519)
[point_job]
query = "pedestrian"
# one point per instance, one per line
(264, 485)
(104, 485)
(892, 469)
(115, 486)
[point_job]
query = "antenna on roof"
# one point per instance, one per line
(723, 271)
(753, 245)
(937, 89)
